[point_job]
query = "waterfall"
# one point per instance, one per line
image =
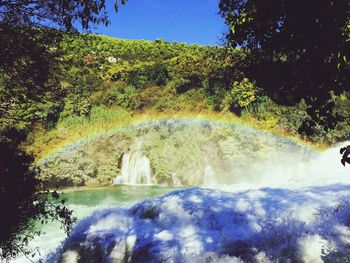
(176, 180)
(195, 154)
(135, 169)
(326, 168)
(209, 179)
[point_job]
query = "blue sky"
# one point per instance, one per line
(190, 21)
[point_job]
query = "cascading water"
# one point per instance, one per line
(209, 179)
(180, 152)
(193, 153)
(176, 180)
(238, 156)
(272, 200)
(135, 169)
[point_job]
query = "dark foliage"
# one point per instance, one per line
(30, 33)
(60, 14)
(299, 49)
(27, 73)
(345, 152)
(21, 203)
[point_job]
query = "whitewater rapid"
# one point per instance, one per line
(299, 214)
(278, 201)
(322, 169)
(206, 225)
(283, 169)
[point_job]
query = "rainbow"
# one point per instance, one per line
(92, 131)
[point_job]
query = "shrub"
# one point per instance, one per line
(239, 96)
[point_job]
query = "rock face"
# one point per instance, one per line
(181, 152)
(202, 225)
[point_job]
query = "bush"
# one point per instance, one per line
(239, 96)
(123, 97)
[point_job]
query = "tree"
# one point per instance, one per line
(239, 96)
(30, 33)
(299, 49)
(29, 38)
(21, 203)
(57, 14)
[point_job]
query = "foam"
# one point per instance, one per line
(250, 226)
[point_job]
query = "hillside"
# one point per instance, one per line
(100, 79)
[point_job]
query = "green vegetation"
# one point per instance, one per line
(21, 200)
(241, 95)
(30, 92)
(287, 70)
(101, 79)
(107, 83)
(298, 51)
(179, 152)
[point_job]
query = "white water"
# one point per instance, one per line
(209, 179)
(308, 225)
(176, 180)
(283, 169)
(193, 153)
(288, 210)
(301, 217)
(321, 169)
(135, 169)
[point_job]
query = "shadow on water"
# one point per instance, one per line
(201, 224)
